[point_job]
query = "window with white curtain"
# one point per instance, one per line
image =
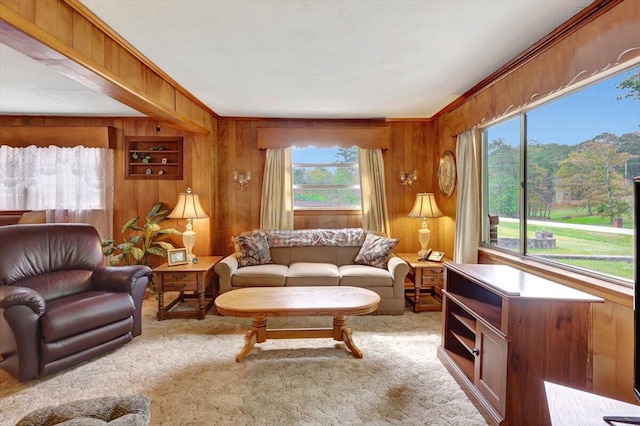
(70, 184)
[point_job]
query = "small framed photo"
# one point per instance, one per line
(163, 161)
(177, 257)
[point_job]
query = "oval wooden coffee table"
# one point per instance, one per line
(262, 302)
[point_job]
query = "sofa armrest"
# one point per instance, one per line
(225, 270)
(15, 295)
(121, 279)
(399, 270)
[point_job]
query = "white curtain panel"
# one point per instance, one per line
(375, 216)
(276, 207)
(71, 184)
(468, 200)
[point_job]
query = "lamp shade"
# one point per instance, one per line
(425, 206)
(188, 207)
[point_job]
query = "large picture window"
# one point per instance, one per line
(558, 178)
(325, 178)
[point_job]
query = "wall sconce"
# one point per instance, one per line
(242, 179)
(407, 179)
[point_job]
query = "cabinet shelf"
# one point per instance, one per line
(164, 153)
(467, 322)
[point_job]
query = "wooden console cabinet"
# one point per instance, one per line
(505, 332)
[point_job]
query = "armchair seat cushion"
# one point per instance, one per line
(81, 312)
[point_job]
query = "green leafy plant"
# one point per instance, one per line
(140, 242)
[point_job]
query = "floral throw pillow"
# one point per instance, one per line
(375, 251)
(252, 249)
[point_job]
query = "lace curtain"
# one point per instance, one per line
(70, 184)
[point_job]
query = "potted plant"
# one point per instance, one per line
(140, 242)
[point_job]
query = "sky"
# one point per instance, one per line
(580, 116)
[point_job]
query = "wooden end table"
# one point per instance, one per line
(198, 278)
(427, 278)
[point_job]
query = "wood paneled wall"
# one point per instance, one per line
(410, 148)
(136, 197)
(610, 41)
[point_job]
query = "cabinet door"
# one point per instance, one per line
(491, 366)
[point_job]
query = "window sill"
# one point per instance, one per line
(608, 290)
(317, 212)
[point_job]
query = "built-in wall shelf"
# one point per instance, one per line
(153, 157)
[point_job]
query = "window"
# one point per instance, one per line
(558, 178)
(325, 178)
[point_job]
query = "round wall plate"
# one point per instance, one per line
(447, 174)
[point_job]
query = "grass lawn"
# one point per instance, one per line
(572, 241)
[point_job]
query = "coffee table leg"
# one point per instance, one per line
(257, 334)
(343, 333)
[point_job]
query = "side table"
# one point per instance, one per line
(198, 278)
(427, 278)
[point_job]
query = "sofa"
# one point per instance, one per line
(317, 257)
(58, 305)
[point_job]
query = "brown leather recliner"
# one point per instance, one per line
(58, 305)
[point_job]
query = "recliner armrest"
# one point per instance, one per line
(119, 278)
(15, 295)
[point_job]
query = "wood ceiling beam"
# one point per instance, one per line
(58, 34)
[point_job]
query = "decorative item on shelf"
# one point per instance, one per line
(188, 207)
(242, 179)
(425, 207)
(148, 171)
(407, 179)
(157, 148)
(160, 172)
(447, 174)
(146, 158)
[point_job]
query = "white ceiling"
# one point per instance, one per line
(308, 59)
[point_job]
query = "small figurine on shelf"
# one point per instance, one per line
(160, 172)
(157, 148)
(146, 158)
(148, 171)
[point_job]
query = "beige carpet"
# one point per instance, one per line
(187, 369)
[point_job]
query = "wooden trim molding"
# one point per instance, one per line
(584, 17)
(89, 16)
(64, 136)
(363, 137)
(75, 47)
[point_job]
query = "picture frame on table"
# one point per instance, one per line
(177, 257)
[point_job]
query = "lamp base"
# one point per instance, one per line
(189, 240)
(424, 235)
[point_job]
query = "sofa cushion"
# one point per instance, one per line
(375, 251)
(252, 249)
(271, 275)
(305, 273)
(84, 311)
(365, 276)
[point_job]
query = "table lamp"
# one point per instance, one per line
(188, 207)
(424, 207)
